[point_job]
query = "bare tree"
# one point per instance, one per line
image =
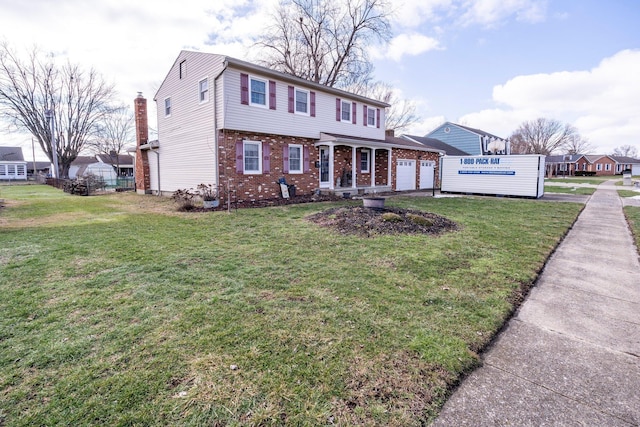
(626, 151)
(325, 41)
(402, 113)
(541, 136)
(576, 144)
(113, 133)
(78, 100)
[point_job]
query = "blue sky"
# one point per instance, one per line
(490, 64)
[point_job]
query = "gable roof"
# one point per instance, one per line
(11, 154)
(436, 144)
(122, 159)
(469, 129)
(625, 160)
(563, 158)
(250, 67)
(84, 160)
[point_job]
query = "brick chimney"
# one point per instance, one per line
(389, 132)
(143, 181)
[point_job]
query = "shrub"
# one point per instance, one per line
(420, 220)
(391, 217)
(184, 199)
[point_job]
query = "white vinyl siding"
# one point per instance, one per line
(235, 115)
(186, 139)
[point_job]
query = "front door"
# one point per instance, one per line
(324, 167)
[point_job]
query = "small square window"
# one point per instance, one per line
(167, 107)
(252, 157)
(295, 158)
(258, 92)
(302, 101)
(371, 117)
(346, 112)
(203, 87)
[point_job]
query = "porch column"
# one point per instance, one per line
(372, 166)
(353, 167)
(332, 183)
(389, 183)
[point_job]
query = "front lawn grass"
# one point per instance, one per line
(586, 191)
(595, 180)
(628, 193)
(117, 310)
(633, 218)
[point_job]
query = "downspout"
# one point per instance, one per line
(157, 153)
(215, 127)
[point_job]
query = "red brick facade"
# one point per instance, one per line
(252, 187)
(143, 182)
(417, 156)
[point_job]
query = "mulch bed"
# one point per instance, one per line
(368, 222)
(263, 203)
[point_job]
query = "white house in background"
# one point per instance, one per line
(228, 122)
(474, 142)
(13, 167)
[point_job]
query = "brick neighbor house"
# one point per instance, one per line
(243, 127)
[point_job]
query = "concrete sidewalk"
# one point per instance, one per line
(571, 355)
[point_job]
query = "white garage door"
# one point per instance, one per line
(427, 168)
(406, 175)
(635, 170)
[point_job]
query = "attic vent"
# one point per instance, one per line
(447, 130)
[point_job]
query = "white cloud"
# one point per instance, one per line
(407, 44)
(492, 13)
(602, 102)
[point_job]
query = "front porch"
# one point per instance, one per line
(353, 165)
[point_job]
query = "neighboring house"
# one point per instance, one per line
(601, 165)
(627, 163)
(436, 144)
(474, 142)
(12, 164)
(41, 168)
(121, 163)
(562, 165)
(230, 123)
(79, 165)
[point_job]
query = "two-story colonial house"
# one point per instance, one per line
(243, 127)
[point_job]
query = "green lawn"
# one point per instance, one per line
(587, 191)
(633, 217)
(117, 310)
(595, 180)
(628, 193)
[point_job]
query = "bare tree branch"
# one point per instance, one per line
(29, 87)
(541, 136)
(626, 151)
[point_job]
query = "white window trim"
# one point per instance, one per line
(598, 167)
(244, 156)
(349, 104)
(295, 101)
(168, 98)
(374, 117)
(200, 91)
(607, 167)
(266, 92)
(368, 169)
(301, 158)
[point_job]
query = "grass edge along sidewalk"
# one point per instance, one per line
(118, 310)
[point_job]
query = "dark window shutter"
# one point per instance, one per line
(377, 117)
(272, 95)
(313, 103)
(266, 157)
(285, 158)
(338, 118)
(353, 113)
(307, 160)
(291, 99)
(359, 161)
(244, 88)
(364, 115)
(239, 157)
